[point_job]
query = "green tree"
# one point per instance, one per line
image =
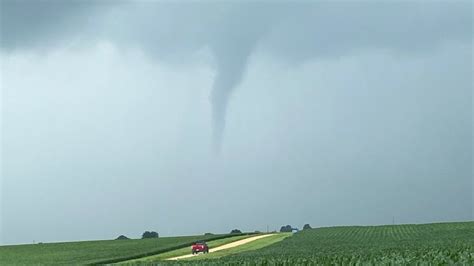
(286, 228)
(151, 234)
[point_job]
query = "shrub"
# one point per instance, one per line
(122, 237)
(236, 231)
(307, 226)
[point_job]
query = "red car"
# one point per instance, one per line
(199, 247)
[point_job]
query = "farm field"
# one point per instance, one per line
(183, 251)
(89, 252)
(442, 243)
(438, 244)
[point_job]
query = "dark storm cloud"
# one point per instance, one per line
(294, 32)
(44, 24)
(232, 31)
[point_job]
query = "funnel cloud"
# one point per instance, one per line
(229, 74)
(231, 63)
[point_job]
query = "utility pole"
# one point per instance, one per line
(393, 220)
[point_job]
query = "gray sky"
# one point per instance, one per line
(187, 118)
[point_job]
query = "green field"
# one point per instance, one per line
(89, 252)
(425, 244)
(183, 251)
(256, 244)
(437, 244)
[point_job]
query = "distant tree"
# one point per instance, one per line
(307, 226)
(151, 234)
(208, 234)
(122, 237)
(286, 229)
(236, 231)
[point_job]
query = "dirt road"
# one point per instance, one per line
(226, 246)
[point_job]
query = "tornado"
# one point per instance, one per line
(231, 53)
(231, 63)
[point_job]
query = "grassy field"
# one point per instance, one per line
(183, 251)
(436, 244)
(254, 245)
(89, 252)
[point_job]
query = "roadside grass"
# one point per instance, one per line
(182, 251)
(254, 245)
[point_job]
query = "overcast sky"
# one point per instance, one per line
(193, 117)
